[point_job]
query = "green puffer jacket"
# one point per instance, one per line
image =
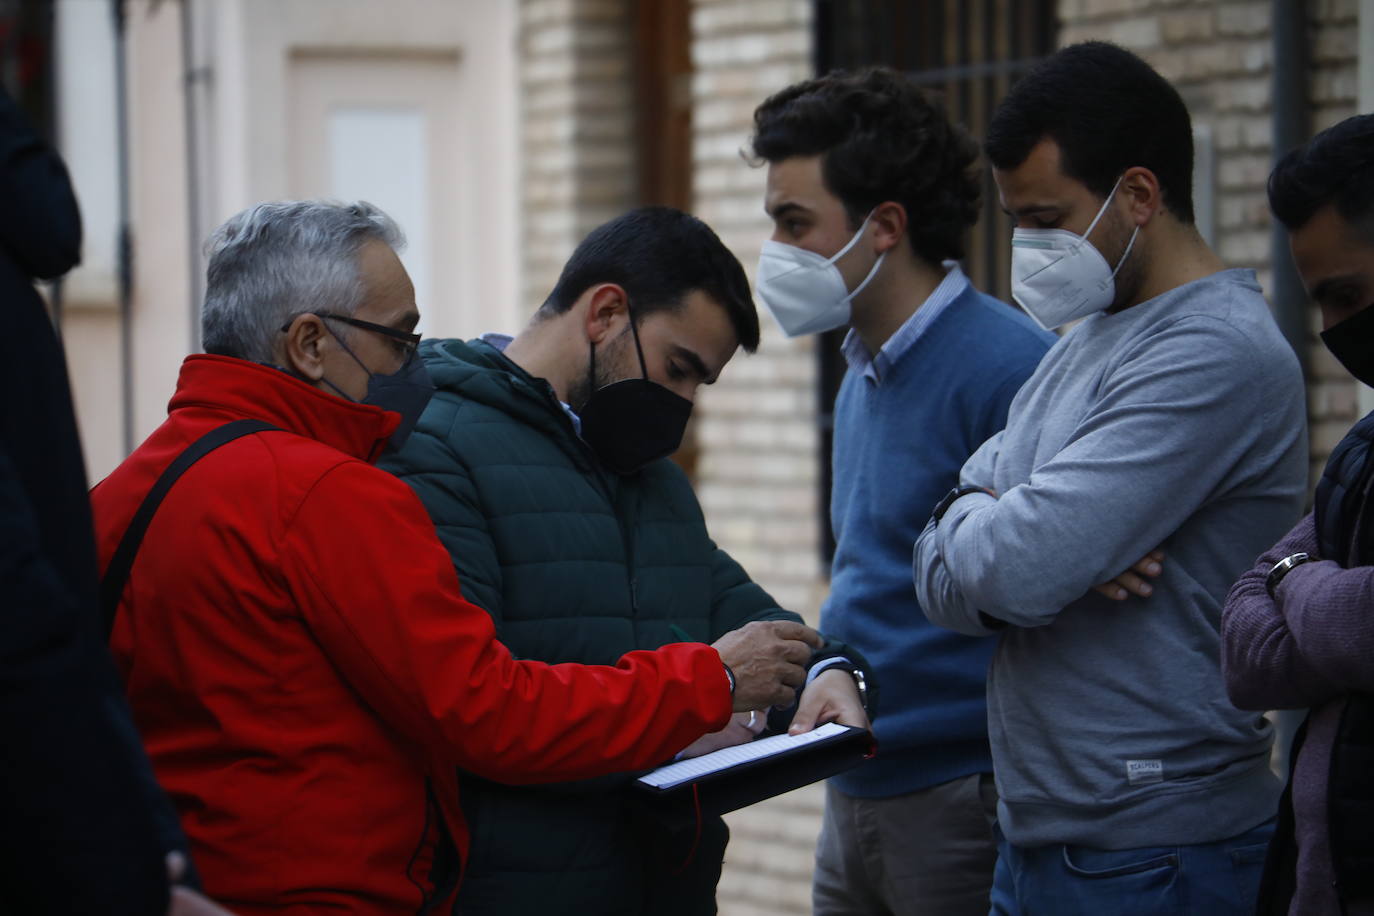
(575, 564)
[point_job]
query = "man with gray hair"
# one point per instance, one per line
(303, 667)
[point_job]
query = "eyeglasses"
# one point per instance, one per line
(408, 341)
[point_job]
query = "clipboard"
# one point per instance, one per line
(736, 777)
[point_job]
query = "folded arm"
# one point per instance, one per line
(1311, 642)
(1127, 479)
(1261, 659)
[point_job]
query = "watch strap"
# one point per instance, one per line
(950, 498)
(1282, 568)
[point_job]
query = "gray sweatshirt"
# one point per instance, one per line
(1176, 424)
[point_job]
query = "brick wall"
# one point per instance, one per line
(756, 429)
(577, 129)
(757, 475)
(757, 467)
(1219, 55)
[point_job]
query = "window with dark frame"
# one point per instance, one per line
(967, 51)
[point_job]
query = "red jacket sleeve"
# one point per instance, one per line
(379, 592)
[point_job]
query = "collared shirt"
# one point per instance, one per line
(500, 342)
(874, 368)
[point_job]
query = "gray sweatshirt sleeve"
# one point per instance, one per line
(981, 466)
(935, 586)
(1168, 426)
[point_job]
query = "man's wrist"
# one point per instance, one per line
(951, 498)
(840, 663)
(834, 661)
(1282, 568)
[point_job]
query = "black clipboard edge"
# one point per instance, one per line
(752, 782)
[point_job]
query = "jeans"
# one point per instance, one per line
(1215, 879)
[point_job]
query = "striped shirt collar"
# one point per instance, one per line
(874, 368)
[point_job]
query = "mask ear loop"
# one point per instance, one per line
(643, 366)
(873, 272)
(1103, 209)
(1125, 254)
(634, 331)
(1096, 219)
(346, 349)
(854, 241)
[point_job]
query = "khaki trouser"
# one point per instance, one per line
(928, 853)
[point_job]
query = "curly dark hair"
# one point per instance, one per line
(881, 139)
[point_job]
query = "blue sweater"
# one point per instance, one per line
(899, 445)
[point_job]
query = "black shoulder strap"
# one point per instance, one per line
(117, 573)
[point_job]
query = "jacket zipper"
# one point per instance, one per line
(611, 487)
(626, 520)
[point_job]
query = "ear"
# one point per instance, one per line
(302, 347)
(1140, 193)
(608, 311)
(889, 225)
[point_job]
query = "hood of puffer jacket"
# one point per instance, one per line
(478, 371)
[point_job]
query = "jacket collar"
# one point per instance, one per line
(480, 372)
(252, 390)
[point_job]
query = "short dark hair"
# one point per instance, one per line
(881, 138)
(1336, 166)
(1108, 111)
(659, 255)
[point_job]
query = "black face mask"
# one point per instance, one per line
(1352, 343)
(406, 391)
(634, 421)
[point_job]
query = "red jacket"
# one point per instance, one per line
(302, 665)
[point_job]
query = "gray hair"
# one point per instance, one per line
(277, 260)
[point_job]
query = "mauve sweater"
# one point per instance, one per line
(1306, 648)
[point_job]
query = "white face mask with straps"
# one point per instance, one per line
(805, 291)
(1058, 275)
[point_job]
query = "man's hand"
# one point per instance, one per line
(186, 902)
(831, 697)
(768, 659)
(742, 728)
(1132, 581)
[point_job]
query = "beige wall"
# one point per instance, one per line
(160, 323)
(253, 60)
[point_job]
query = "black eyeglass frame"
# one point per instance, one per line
(406, 337)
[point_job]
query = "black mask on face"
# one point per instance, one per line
(406, 391)
(634, 421)
(1352, 343)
